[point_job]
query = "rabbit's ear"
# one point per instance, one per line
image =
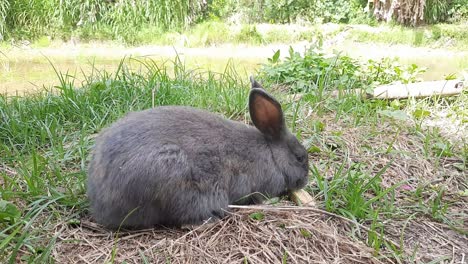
(266, 113)
(254, 83)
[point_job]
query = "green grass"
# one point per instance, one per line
(304, 72)
(215, 32)
(354, 145)
(135, 21)
(208, 33)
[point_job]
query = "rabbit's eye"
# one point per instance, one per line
(300, 158)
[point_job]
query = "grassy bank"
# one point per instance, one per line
(215, 33)
(435, 36)
(450, 36)
(379, 163)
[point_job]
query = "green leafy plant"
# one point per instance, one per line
(458, 11)
(438, 207)
(315, 69)
(257, 216)
(436, 11)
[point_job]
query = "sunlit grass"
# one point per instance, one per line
(441, 35)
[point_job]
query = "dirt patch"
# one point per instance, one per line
(294, 236)
(4, 169)
(454, 129)
(430, 241)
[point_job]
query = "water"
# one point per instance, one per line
(26, 70)
(23, 76)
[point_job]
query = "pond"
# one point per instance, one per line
(24, 70)
(31, 69)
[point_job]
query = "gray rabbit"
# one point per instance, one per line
(176, 165)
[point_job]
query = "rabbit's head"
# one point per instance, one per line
(289, 155)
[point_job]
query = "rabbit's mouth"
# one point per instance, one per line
(300, 183)
(295, 184)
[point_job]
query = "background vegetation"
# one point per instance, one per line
(125, 19)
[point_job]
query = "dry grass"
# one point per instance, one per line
(284, 235)
(423, 238)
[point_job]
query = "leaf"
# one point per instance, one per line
(257, 216)
(314, 149)
(395, 114)
(421, 113)
(318, 126)
(291, 52)
(273, 200)
(285, 257)
(451, 76)
(442, 149)
(395, 104)
(275, 57)
(305, 233)
(73, 222)
(8, 211)
(460, 167)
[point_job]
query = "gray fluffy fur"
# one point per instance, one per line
(175, 165)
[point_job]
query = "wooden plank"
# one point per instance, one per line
(418, 90)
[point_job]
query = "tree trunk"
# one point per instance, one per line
(406, 12)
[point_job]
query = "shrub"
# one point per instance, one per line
(249, 34)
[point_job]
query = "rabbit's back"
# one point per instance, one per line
(167, 164)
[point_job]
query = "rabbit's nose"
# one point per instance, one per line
(299, 183)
